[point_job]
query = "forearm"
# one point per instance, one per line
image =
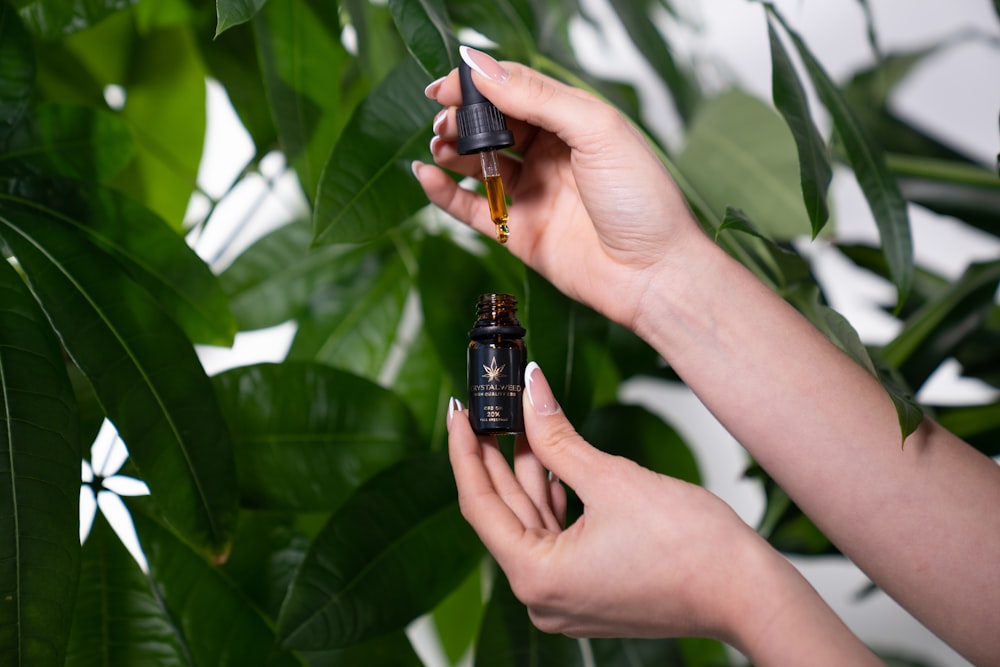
(920, 519)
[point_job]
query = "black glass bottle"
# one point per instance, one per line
(497, 358)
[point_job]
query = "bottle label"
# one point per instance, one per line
(496, 381)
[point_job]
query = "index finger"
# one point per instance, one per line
(497, 525)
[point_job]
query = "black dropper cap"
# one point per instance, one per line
(481, 126)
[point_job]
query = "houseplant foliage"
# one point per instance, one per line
(303, 512)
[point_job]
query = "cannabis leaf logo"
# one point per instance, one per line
(493, 372)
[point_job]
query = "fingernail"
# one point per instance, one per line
(438, 119)
(415, 168)
(453, 406)
(483, 64)
(540, 395)
(435, 140)
(431, 90)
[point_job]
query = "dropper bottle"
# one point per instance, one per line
(482, 129)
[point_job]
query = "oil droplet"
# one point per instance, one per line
(503, 232)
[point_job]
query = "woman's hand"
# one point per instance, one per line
(593, 208)
(651, 556)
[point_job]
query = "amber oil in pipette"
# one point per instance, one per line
(497, 200)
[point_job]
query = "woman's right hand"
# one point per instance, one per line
(594, 210)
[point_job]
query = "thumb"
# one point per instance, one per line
(553, 439)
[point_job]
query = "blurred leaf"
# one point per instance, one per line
(231, 13)
(217, 624)
(380, 47)
(740, 153)
(568, 340)
(390, 650)
(117, 619)
(638, 434)
(931, 334)
(389, 554)
(165, 106)
(979, 352)
(76, 142)
(790, 99)
(458, 616)
(143, 369)
(17, 62)
(979, 425)
(354, 324)
(783, 523)
(153, 254)
(510, 23)
(52, 19)
(873, 175)
(638, 652)
(509, 639)
(424, 385)
(306, 435)
(280, 277)
(958, 189)
(303, 66)
(367, 187)
(684, 89)
(426, 29)
(39, 483)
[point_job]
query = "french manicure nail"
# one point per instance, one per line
(453, 406)
(540, 395)
(415, 168)
(484, 64)
(431, 90)
(438, 119)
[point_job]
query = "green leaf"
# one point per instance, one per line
(165, 106)
(868, 162)
(217, 624)
(280, 277)
(75, 142)
(389, 554)
(740, 153)
(144, 371)
(636, 433)
(302, 66)
(736, 219)
(568, 340)
(117, 619)
(17, 62)
(153, 254)
(426, 29)
(979, 425)
(51, 19)
(459, 615)
(353, 324)
(229, 13)
(367, 187)
(640, 652)
(956, 189)
(509, 639)
(931, 334)
(39, 483)
(306, 435)
(790, 99)
(684, 89)
(424, 385)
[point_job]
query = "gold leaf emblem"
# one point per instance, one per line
(493, 372)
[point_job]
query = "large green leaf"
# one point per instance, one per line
(685, 652)
(634, 432)
(931, 334)
(355, 323)
(684, 89)
(870, 168)
(17, 62)
(75, 142)
(216, 623)
(426, 29)
(740, 153)
(424, 385)
(117, 619)
(39, 483)
(568, 340)
(790, 99)
(303, 65)
(979, 425)
(165, 106)
(367, 187)
(144, 371)
(389, 554)
(509, 639)
(153, 254)
(958, 189)
(231, 13)
(306, 435)
(50, 19)
(280, 277)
